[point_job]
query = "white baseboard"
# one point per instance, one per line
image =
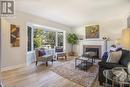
(12, 67)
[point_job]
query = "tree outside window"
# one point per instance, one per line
(60, 38)
(44, 38)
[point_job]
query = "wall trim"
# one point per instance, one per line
(12, 67)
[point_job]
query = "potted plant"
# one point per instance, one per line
(72, 39)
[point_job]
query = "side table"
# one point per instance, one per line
(109, 76)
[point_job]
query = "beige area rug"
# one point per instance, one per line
(84, 78)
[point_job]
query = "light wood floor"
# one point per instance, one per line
(39, 76)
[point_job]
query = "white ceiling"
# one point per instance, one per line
(75, 13)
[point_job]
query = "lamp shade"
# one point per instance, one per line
(126, 38)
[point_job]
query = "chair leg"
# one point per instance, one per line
(65, 57)
(36, 63)
(57, 57)
(52, 61)
(46, 63)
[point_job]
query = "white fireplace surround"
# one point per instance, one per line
(91, 42)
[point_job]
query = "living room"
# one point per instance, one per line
(76, 37)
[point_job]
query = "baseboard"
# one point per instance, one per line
(12, 67)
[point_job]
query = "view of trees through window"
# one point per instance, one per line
(47, 38)
(60, 38)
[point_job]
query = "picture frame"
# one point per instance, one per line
(15, 35)
(92, 31)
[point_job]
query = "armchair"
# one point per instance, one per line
(45, 57)
(59, 52)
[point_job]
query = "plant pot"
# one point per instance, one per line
(71, 53)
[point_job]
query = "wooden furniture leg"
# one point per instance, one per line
(46, 63)
(65, 57)
(36, 63)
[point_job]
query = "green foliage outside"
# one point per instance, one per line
(42, 38)
(49, 38)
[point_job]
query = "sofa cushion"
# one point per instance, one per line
(115, 56)
(59, 49)
(105, 56)
(125, 58)
(43, 52)
(108, 65)
(40, 53)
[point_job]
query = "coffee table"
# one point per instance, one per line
(82, 63)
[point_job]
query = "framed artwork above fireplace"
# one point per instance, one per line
(92, 31)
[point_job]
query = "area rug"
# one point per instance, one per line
(84, 78)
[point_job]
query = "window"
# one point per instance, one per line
(29, 31)
(50, 38)
(60, 38)
(39, 37)
(44, 38)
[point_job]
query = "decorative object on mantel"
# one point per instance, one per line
(92, 31)
(105, 38)
(72, 39)
(14, 36)
(128, 22)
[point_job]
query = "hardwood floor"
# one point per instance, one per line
(36, 76)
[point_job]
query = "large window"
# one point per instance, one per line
(47, 38)
(50, 38)
(60, 38)
(29, 31)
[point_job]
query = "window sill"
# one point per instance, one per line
(29, 52)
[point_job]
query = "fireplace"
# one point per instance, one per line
(93, 48)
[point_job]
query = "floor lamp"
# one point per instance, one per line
(126, 38)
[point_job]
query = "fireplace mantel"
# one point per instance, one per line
(98, 42)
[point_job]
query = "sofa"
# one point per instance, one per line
(103, 65)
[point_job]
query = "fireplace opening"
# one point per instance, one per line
(95, 50)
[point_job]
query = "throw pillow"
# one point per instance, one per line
(40, 53)
(115, 56)
(125, 58)
(43, 52)
(105, 56)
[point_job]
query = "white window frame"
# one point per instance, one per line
(48, 29)
(32, 47)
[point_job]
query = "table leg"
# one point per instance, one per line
(46, 63)
(112, 83)
(86, 66)
(92, 60)
(75, 63)
(65, 57)
(106, 81)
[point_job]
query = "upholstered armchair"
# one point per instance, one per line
(60, 52)
(45, 57)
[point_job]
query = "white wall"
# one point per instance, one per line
(111, 28)
(13, 57)
(107, 28)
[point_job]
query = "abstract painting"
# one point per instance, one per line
(14, 36)
(92, 31)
